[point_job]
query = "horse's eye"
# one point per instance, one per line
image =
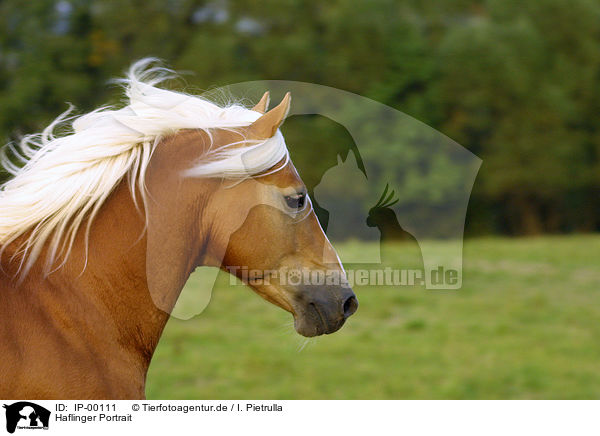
(296, 201)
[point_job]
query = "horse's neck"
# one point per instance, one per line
(116, 272)
(107, 308)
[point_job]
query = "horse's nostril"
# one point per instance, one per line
(350, 306)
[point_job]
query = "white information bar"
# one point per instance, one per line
(283, 418)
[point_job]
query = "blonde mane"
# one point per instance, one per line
(66, 179)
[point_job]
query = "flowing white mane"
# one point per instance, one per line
(66, 179)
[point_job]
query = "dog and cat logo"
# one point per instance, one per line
(26, 415)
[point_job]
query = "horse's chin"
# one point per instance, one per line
(310, 324)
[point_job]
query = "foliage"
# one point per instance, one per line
(514, 82)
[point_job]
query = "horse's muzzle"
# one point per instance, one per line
(323, 309)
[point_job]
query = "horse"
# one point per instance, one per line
(101, 227)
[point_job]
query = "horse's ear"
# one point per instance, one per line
(263, 104)
(266, 126)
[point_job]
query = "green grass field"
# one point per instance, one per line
(526, 324)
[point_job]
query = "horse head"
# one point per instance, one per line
(260, 227)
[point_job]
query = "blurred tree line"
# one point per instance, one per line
(515, 82)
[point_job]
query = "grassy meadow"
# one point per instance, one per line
(526, 324)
